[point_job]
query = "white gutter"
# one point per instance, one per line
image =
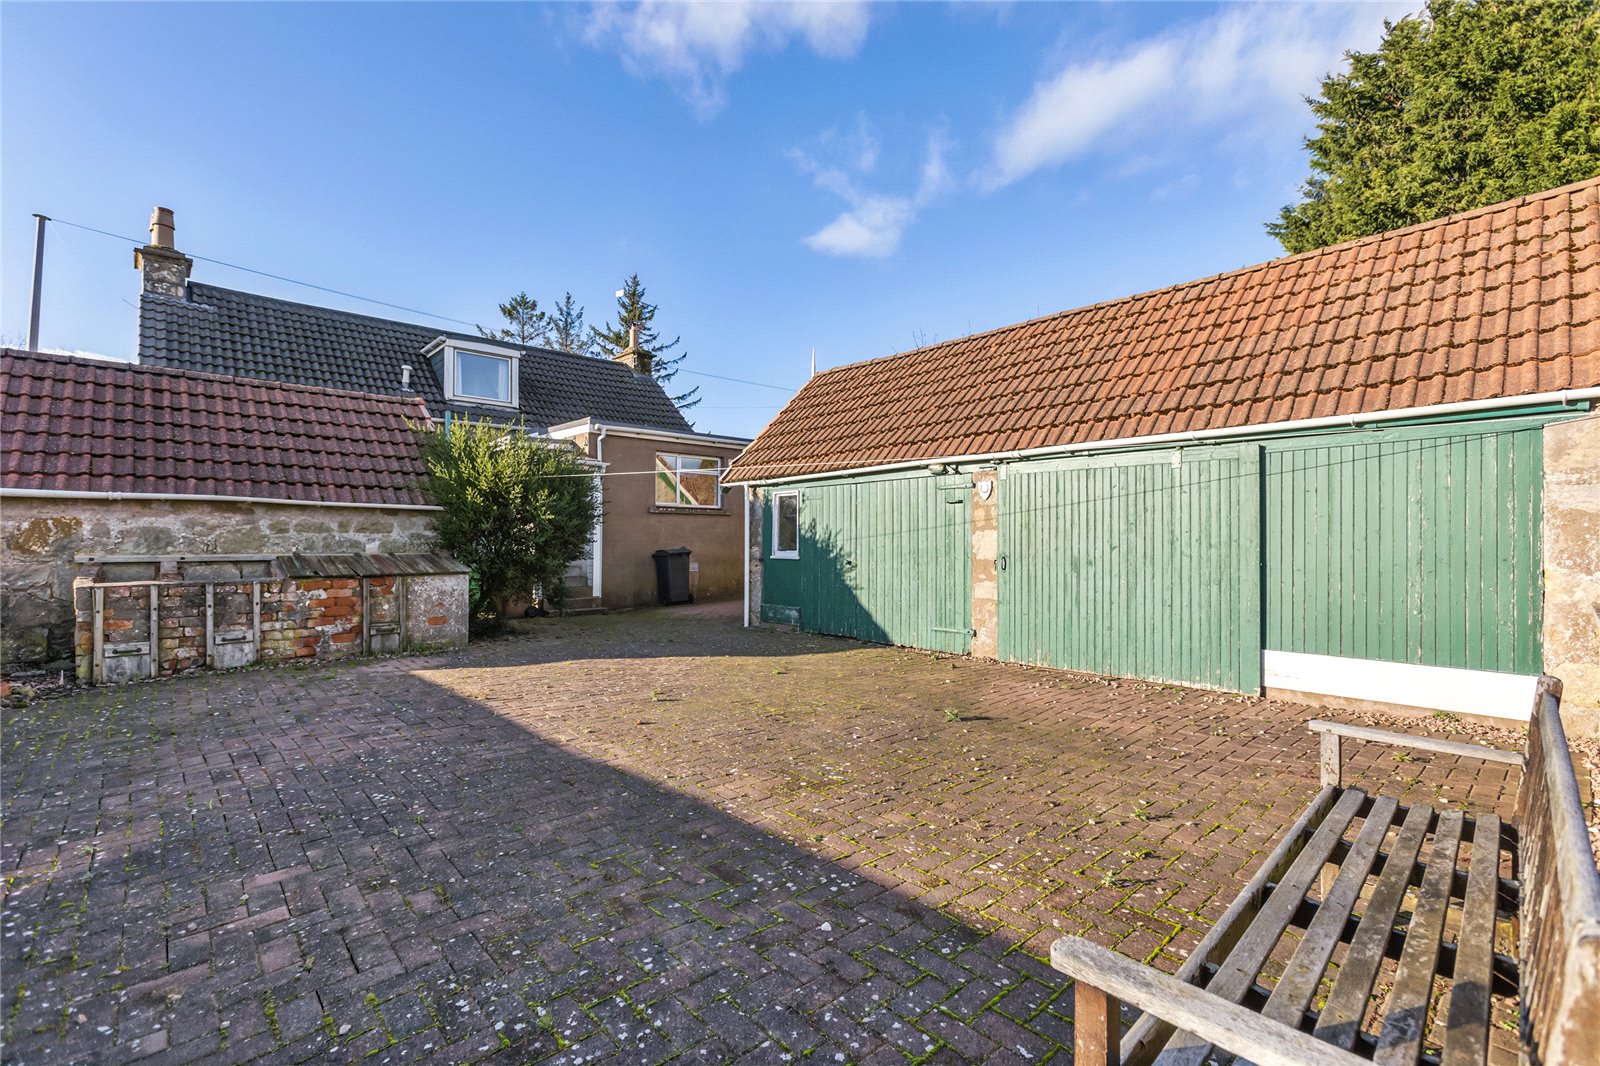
(1355, 421)
(568, 430)
(184, 497)
(744, 491)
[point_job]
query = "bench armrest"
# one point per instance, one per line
(1332, 732)
(1210, 1017)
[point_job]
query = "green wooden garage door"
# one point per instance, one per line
(1412, 545)
(1143, 566)
(888, 560)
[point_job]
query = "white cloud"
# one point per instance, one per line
(873, 223)
(1241, 74)
(695, 47)
(1078, 107)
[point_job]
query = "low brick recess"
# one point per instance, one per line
(300, 618)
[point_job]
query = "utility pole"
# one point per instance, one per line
(38, 282)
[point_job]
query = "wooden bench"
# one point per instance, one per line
(1423, 889)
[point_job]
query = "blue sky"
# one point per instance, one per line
(858, 178)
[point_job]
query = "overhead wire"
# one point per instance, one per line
(380, 303)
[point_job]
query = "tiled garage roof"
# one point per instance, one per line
(1503, 301)
(224, 331)
(87, 425)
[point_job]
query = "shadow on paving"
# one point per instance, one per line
(673, 632)
(330, 864)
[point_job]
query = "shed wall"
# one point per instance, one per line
(1468, 548)
(885, 559)
(1417, 545)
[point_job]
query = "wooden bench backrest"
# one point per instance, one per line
(1560, 908)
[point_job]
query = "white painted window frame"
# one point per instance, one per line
(453, 349)
(777, 509)
(677, 475)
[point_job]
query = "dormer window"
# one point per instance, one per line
(476, 372)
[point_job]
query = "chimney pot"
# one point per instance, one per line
(161, 228)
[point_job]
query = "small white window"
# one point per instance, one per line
(786, 525)
(688, 480)
(476, 373)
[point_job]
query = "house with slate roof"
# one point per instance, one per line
(157, 519)
(1369, 473)
(661, 480)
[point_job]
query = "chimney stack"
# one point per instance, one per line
(165, 269)
(634, 357)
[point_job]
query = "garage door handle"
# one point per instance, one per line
(1001, 562)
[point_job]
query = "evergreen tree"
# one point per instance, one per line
(516, 509)
(563, 329)
(633, 310)
(1469, 103)
(525, 322)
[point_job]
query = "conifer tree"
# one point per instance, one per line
(564, 330)
(525, 322)
(1468, 103)
(634, 310)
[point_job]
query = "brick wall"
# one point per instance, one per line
(181, 622)
(300, 618)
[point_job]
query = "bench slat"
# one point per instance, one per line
(1467, 1033)
(1406, 1013)
(1150, 1031)
(1340, 1021)
(1239, 1029)
(1238, 971)
(1300, 979)
(1419, 743)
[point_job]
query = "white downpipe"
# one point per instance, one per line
(189, 497)
(744, 494)
(1356, 421)
(600, 519)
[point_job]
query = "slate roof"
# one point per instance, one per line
(1499, 302)
(88, 425)
(224, 331)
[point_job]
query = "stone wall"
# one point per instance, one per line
(40, 537)
(1572, 568)
(756, 501)
(985, 572)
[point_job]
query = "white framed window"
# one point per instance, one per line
(688, 480)
(478, 373)
(786, 525)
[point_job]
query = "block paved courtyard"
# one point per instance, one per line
(631, 839)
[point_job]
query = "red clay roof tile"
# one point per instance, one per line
(83, 425)
(1503, 301)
